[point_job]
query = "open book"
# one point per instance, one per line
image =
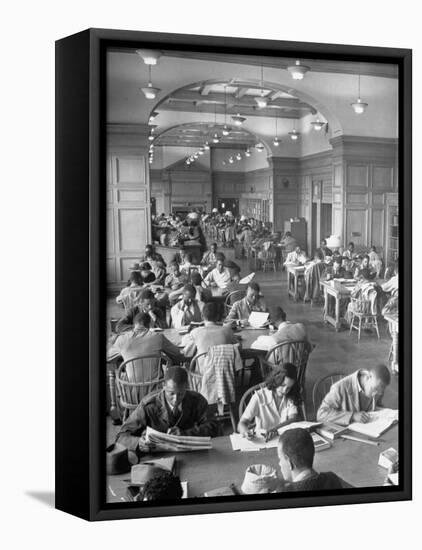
(379, 422)
(176, 443)
(258, 318)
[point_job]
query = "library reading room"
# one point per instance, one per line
(252, 275)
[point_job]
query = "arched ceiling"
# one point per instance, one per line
(198, 88)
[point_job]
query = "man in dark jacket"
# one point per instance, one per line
(296, 453)
(147, 304)
(174, 410)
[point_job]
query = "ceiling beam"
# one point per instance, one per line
(249, 111)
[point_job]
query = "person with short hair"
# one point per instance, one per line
(296, 451)
(187, 310)
(151, 255)
(209, 259)
(174, 410)
(336, 271)
(275, 405)
(351, 398)
(147, 304)
(364, 270)
(175, 281)
(163, 486)
(219, 277)
(324, 250)
(350, 251)
(133, 288)
(142, 341)
(288, 242)
(253, 301)
(296, 257)
(147, 275)
(202, 295)
(200, 339)
(285, 329)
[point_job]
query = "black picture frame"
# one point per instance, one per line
(80, 280)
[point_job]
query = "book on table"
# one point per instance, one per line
(319, 442)
(379, 422)
(330, 431)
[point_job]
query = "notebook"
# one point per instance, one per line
(379, 422)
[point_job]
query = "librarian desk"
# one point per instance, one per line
(355, 462)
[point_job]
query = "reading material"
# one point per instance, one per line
(176, 443)
(258, 318)
(330, 431)
(379, 422)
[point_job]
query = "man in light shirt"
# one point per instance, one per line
(253, 301)
(297, 257)
(186, 311)
(220, 276)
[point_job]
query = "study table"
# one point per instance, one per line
(335, 291)
(355, 462)
(294, 273)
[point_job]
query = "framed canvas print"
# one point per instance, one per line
(232, 218)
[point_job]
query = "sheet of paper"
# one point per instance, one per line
(379, 422)
(257, 319)
(263, 342)
(247, 279)
(240, 443)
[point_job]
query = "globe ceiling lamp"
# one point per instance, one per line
(359, 106)
(317, 124)
(238, 120)
(259, 147)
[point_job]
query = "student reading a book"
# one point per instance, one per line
(273, 406)
(187, 310)
(174, 410)
(352, 397)
(163, 486)
(147, 304)
(220, 276)
(253, 301)
(296, 453)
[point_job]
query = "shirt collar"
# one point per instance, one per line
(304, 475)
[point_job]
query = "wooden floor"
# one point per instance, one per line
(334, 351)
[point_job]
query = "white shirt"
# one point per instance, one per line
(262, 407)
(222, 280)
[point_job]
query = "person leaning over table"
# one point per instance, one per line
(175, 281)
(200, 339)
(297, 257)
(273, 406)
(133, 287)
(364, 269)
(253, 301)
(187, 310)
(173, 410)
(351, 398)
(296, 452)
(142, 341)
(147, 304)
(220, 276)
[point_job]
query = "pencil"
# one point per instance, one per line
(375, 443)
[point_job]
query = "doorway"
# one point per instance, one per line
(326, 220)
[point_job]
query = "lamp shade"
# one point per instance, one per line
(298, 71)
(359, 106)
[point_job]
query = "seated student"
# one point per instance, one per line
(364, 270)
(219, 277)
(352, 397)
(288, 242)
(285, 329)
(159, 271)
(346, 264)
(336, 271)
(147, 275)
(141, 341)
(202, 295)
(175, 281)
(350, 251)
(273, 406)
(297, 257)
(187, 310)
(151, 256)
(296, 453)
(174, 410)
(375, 261)
(133, 289)
(163, 486)
(241, 310)
(200, 339)
(324, 250)
(187, 264)
(179, 257)
(147, 304)
(209, 259)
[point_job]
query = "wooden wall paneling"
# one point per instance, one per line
(357, 225)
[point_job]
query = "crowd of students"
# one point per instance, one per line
(180, 295)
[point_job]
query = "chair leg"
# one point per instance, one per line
(376, 327)
(359, 329)
(351, 323)
(233, 416)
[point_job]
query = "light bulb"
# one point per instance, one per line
(216, 139)
(276, 142)
(226, 130)
(247, 153)
(239, 156)
(206, 146)
(359, 107)
(298, 71)
(231, 160)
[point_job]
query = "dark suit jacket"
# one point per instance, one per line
(127, 320)
(153, 411)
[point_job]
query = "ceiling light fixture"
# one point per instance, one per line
(359, 106)
(248, 152)
(226, 130)
(216, 139)
(317, 124)
(231, 160)
(239, 156)
(150, 57)
(153, 116)
(259, 147)
(238, 120)
(276, 143)
(201, 151)
(294, 135)
(206, 146)
(298, 71)
(150, 92)
(261, 100)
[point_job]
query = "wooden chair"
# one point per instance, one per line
(322, 387)
(295, 352)
(247, 396)
(137, 377)
(195, 383)
(268, 259)
(360, 311)
(231, 298)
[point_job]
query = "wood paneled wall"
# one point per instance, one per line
(128, 199)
